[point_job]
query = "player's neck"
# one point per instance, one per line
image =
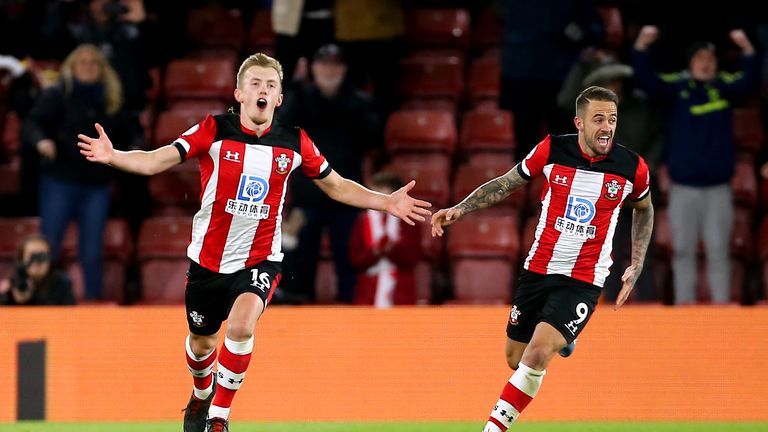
(249, 126)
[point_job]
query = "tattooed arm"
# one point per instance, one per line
(488, 194)
(642, 228)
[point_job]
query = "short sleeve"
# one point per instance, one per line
(197, 140)
(533, 164)
(313, 163)
(642, 181)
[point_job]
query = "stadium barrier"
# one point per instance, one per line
(411, 363)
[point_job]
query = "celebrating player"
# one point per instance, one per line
(234, 253)
(588, 177)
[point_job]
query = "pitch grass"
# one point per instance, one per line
(391, 427)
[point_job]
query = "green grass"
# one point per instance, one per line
(391, 427)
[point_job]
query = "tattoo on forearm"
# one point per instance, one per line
(492, 191)
(642, 228)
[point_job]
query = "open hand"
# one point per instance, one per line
(406, 207)
(99, 149)
(629, 278)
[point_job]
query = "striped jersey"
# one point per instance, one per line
(243, 178)
(580, 204)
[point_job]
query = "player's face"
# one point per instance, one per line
(598, 127)
(259, 94)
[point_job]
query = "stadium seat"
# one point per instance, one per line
(534, 190)
(423, 275)
(506, 160)
(748, 129)
(325, 282)
(743, 242)
(487, 28)
(163, 262)
(470, 177)
(763, 240)
(169, 125)
(14, 230)
(614, 26)
(482, 236)
(481, 281)
(176, 191)
(432, 77)
(432, 179)
(10, 137)
(260, 34)
(200, 78)
(430, 104)
(744, 184)
(435, 28)
(486, 130)
(484, 80)
(420, 131)
(216, 26)
(11, 181)
(118, 249)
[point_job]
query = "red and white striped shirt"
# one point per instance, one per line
(243, 178)
(580, 205)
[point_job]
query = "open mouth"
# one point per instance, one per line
(603, 140)
(261, 103)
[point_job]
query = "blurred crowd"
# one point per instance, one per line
(451, 93)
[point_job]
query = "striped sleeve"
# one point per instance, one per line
(313, 163)
(641, 184)
(533, 164)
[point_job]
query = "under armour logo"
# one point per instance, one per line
(233, 381)
(562, 180)
(232, 156)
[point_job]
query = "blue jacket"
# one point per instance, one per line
(698, 118)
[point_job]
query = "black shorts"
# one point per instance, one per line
(563, 302)
(209, 296)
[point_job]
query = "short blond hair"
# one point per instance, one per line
(259, 59)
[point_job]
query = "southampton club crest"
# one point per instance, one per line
(612, 190)
(514, 314)
(283, 162)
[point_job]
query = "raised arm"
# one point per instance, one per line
(488, 194)
(642, 228)
(101, 150)
(398, 203)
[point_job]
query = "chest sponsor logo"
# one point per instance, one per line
(576, 222)
(612, 189)
(283, 162)
(250, 193)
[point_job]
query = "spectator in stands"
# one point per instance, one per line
(35, 281)
(301, 27)
(119, 28)
(539, 45)
(700, 155)
(71, 188)
(385, 251)
(345, 126)
(370, 33)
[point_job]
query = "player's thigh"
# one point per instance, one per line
(205, 300)
(570, 306)
(261, 280)
(513, 350)
(530, 296)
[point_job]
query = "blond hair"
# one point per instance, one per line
(113, 89)
(259, 59)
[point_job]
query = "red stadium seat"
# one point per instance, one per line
(432, 178)
(200, 78)
(14, 230)
(744, 184)
(748, 129)
(421, 131)
(534, 190)
(11, 180)
(763, 240)
(614, 26)
(176, 191)
(216, 26)
(10, 138)
(423, 275)
(326, 282)
(470, 177)
(482, 281)
(260, 35)
(171, 124)
(437, 28)
(485, 236)
(484, 80)
(487, 28)
(486, 130)
(506, 160)
(432, 77)
(162, 254)
(430, 104)
(743, 234)
(118, 248)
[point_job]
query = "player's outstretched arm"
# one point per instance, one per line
(101, 150)
(488, 194)
(642, 228)
(398, 203)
